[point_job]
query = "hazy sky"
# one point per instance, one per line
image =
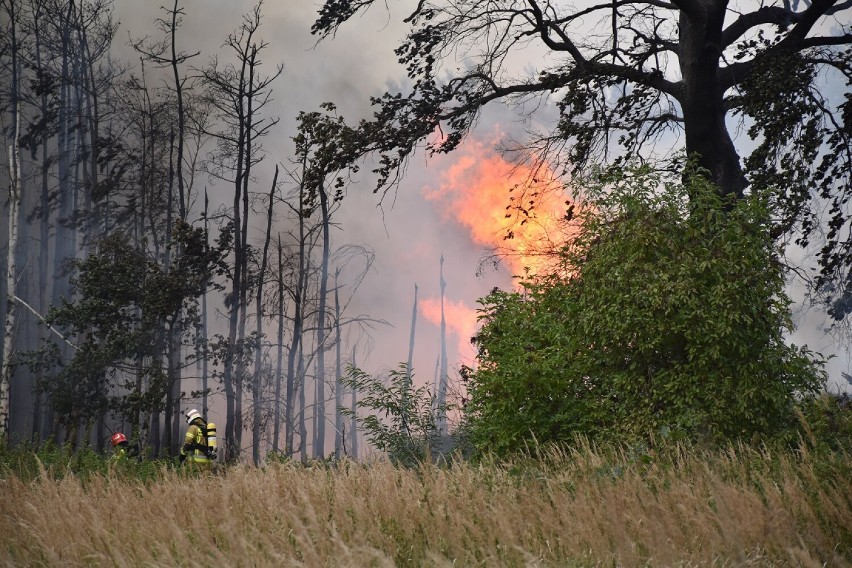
(426, 217)
(414, 226)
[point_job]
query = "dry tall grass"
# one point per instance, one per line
(573, 509)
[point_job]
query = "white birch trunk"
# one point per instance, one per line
(11, 277)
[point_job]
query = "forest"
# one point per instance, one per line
(146, 296)
(669, 184)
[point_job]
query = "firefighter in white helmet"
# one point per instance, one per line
(196, 445)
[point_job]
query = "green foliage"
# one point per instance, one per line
(403, 420)
(125, 302)
(804, 150)
(669, 317)
(327, 146)
(827, 422)
(28, 462)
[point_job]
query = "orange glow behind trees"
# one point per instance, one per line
(461, 322)
(519, 212)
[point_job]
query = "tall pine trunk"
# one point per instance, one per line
(303, 430)
(294, 353)
(276, 428)
(42, 413)
(441, 398)
(338, 374)
(353, 422)
(409, 371)
(319, 403)
(204, 404)
(257, 387)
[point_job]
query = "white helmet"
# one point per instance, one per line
(192, 415)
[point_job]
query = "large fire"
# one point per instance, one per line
(518, 211)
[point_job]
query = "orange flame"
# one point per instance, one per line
(461, 322)
(518, 210)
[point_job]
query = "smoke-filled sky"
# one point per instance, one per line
(433, 213)
(452, 205)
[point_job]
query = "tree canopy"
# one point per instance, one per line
(669, 317)
(125, 298)
(626, 74)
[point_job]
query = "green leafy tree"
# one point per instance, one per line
(401, 421)
(668, 316)
(125, 303)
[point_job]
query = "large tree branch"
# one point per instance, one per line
(654, 79)
(736, 73)
(826, 41)
(806, 22)
(544, 29)
(796, 40)
(764, 15)
(839, 7)
(557, 81)
(609, 6)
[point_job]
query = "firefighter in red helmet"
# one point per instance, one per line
(120, 446)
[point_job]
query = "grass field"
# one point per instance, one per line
(740, 507)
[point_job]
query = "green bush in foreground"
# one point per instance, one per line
(397, 418)
(669, 318)
(27, 461)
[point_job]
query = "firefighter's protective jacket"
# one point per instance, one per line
(195, 445)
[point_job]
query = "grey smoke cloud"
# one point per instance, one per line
(408, 232)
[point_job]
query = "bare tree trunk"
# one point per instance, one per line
(319, 403)
(88, 66)
(338, 374)
(408, 370)
(42, 413)
(303, 431)
(172, 424)
(353, 423)
(62, 249)
(258, 356)
(294, 353)
(137, 428)
(250, 64)
(11, 264)
(175, 60)
(231, 382)
(204, 387)
(442, 381)
(141, 426)
(276, 432)
(174, 373)
(175, 340)
(411, 336)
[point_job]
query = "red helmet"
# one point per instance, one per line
(118, 438)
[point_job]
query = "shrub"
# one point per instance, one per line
(401, 420)
(668, 317)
